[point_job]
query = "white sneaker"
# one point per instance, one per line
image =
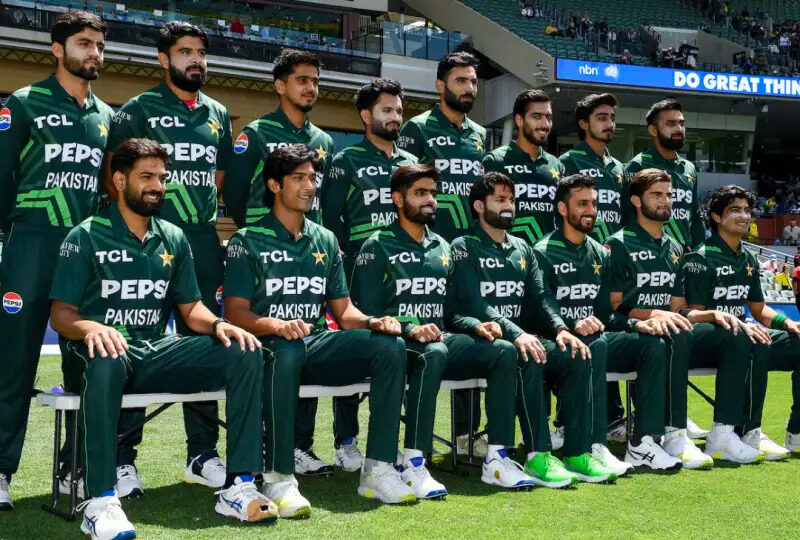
(5, 494)
(618, 432)
(557, 438)
(501, 470)
(244, 502)
(209, 471)
(723, 443)
(479, 446)
(677, 444)
(384, 483)
(693, 431)
(307, 463)
(128, 483)
(103, 519)
(601, 452)
(420, 480)
(348, 456)
(649, 454)
(285, 494)
(64, 486)
(758, 439)
(792, 443)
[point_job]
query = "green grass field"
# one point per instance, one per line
(758, 501)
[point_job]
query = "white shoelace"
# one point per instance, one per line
(351, 451)
(126, 470)
(215, 464)
(112, 509)
(311, 459)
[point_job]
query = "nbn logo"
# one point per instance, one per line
(588, 70)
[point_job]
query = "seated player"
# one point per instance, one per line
(405, 270)
(575, 269)
(725, 276)
(498, 279)
(279, 275)
(119, 274)
(646, 284)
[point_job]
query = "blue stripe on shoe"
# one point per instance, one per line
(125, 535)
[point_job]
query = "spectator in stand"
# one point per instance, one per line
(572, 29)
(796, 286)
(626, 57)
(769, 205)
(771, 265)
(586, 23)
(791, 234)
(752, 233)
(783, 279)
(797, 258)
(553, 30)
(237, 27)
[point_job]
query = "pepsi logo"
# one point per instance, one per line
(219, 296)
(12, 302)
(5, 118)
(241, 144)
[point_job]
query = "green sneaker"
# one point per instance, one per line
(547, 470)
(589, 469)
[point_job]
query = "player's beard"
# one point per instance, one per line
(654, 214)
(187, 83)
(671, 144)
(603, 136)
(530, 135)
(76, 67)
(138, 204)
(499, 220)
(416, 215)
(455, 103)
(387, 134)
(576, 222)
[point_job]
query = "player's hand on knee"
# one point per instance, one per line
(489, 330)
(247, 341)
(385, 325)
(565, 339)
(296, 329)
(756, 333)
(107, 341)
(792, 327)
(426, 333)
(529, 346)
(589, 326)
(649, 327)
(727, 321)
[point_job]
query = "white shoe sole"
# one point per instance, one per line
(610, 479)
(299, 512)
(122, 535)
(777, 457)
(492, 481)
(190, 478)
(642, 463)
(222, 510)
(340, 465)
(724, 456)
(554, 485)
(369, 493)
(135, 493)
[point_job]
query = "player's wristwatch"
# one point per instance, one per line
(215, 324)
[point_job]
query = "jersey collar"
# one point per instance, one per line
(121, 229)
(281, 117)
(487, 240)
(374, 150)
(642, 233)
(515, 148)
(558, 234)
(401, 234)
(667, 163)
(167, 93)
(584, 147)
(269, 221)
(715, 240)
(59, 94)
(466, 125)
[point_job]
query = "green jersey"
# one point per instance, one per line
(686, 225)
(717, 277)
(116, 279)
(244, 186)
(502, 283)
(53, 152)
(285, 277)
(457, 154)
(198, 141)
(356, 201)
(609, 174)
(646, 270)
(534, 190)
(398, 276)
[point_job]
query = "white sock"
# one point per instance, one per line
(532, 455)
(273, 477)
(409, 454)
(369, 464)
(669, 430)
(493, 448)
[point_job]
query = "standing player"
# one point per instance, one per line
(279, 275)
(405, 270)
(535, 172)
(497, 279)
(723, 275)
(53, 135)
(119, 276)
(296, 75)
(575, 269)
(645, 283)
(446, 138)
(355, 203)
(196, 132)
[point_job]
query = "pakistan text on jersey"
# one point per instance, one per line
(192, 178)
(421, 311)
(132, 317)
(71, 180)
(295, 311)
(655, 301)
(577, 313)
(736, 311)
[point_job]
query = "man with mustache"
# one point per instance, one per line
(446, 138)
(355, 203)
(196, 132)
(575, 268)
(645, 283)
(53, 135)
(119, 276)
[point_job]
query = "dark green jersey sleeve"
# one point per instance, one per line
(239, 174)
(337, 282)
(613, 320)
(225, 149)
(618, 265)
(129, 122)
(543, 312)
(570, 167)
(12, 140)
(411, 140)
(333, 199)
(697, 228)
(368, 281)
(755, 294)
(492, 164)
(183, 288)
(74, 268)
(678, 288)
(240, 273)
(698, 280)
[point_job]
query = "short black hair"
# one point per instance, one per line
(568, 183)
(644, 179)
(663, 105)
(282, 162)
(586, 106)
(485, 185)
(73, 22)
(525, 98)
(405, 176)
(289, 58)
(368, 95)
(723, 196)
(454, 60)
(132, 150)
(170, 33)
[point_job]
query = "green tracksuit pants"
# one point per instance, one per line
(332, 358)
(186, 365)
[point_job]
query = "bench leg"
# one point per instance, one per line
(629, 405)
(705, 396)
(73, 485)
(52, 508)
(56, 447)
